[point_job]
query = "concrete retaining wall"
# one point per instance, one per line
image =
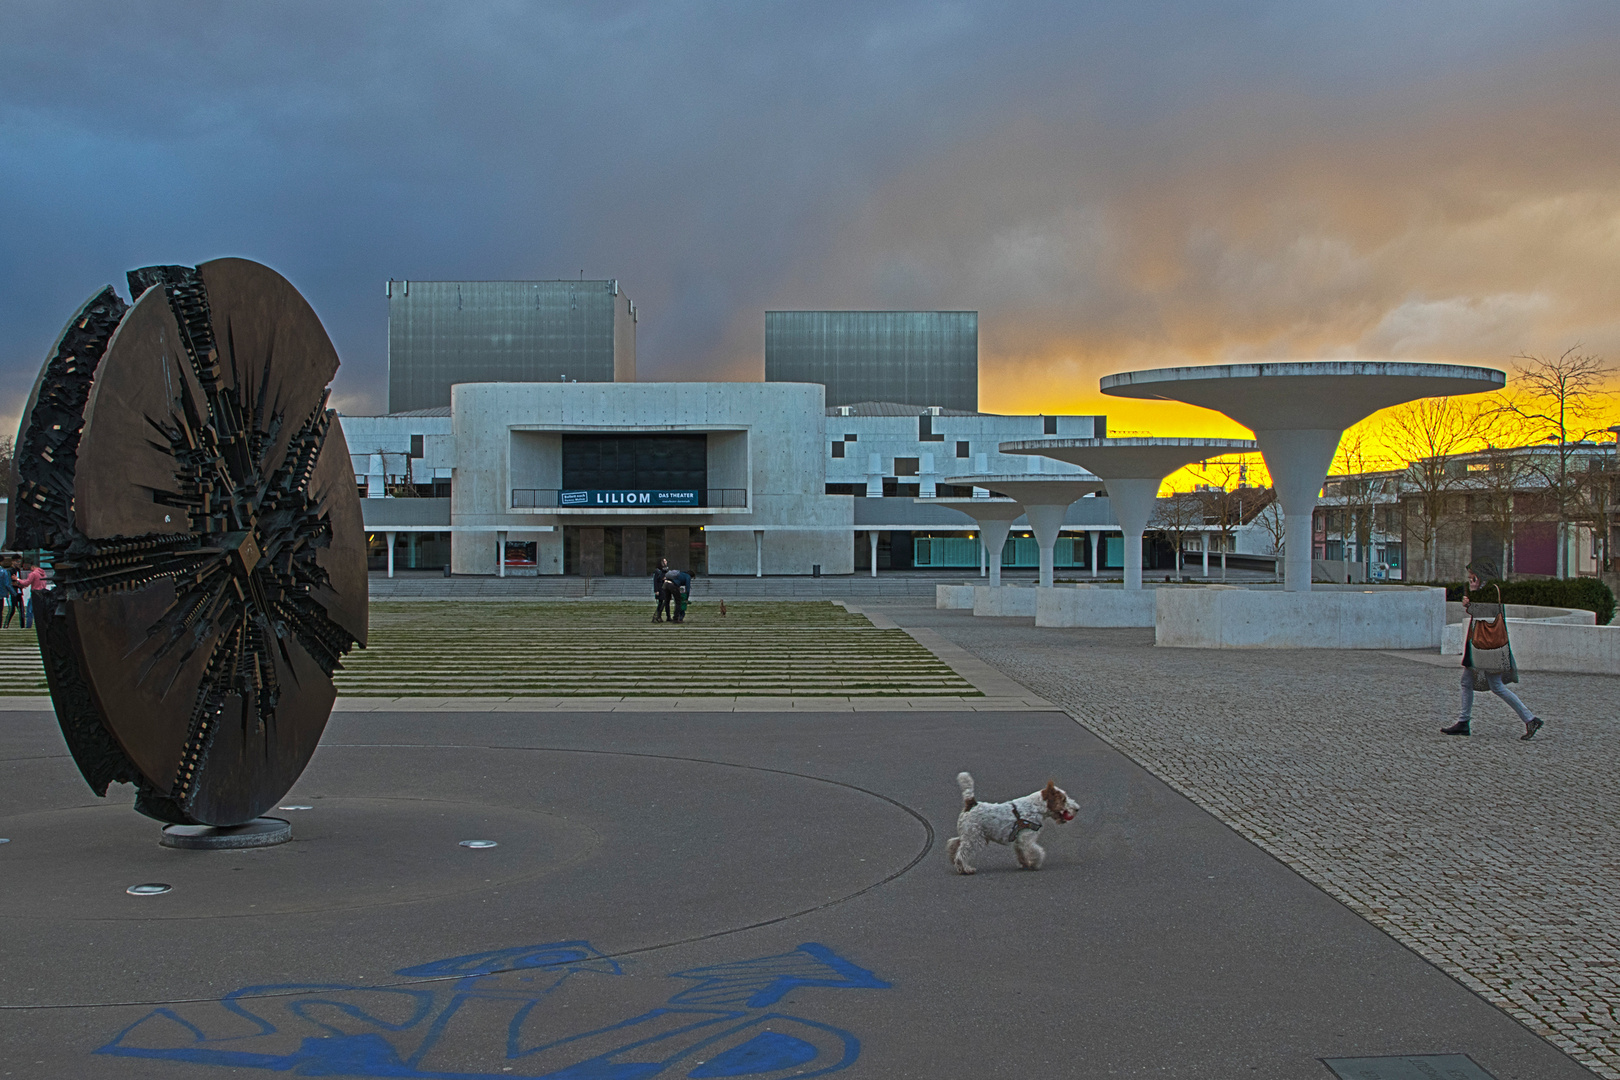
(1222, 617)
(1550, 639)
(1004, 601)
(1092, 605)
(954, 597)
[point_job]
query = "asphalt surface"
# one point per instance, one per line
(693, 895)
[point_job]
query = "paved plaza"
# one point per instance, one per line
(759, 887)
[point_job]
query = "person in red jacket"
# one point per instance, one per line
(29, 580)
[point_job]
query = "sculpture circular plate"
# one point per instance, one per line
(179, 463)
(260, 832)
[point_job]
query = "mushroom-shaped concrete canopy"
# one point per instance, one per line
(1133, 469)
(994, 517)
(1045, 499)
(1298, 410)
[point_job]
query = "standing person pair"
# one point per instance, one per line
(673, 588)
(1491, 666)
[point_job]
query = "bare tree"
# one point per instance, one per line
(1179, 515)
(1224, 493)
(1557, 400)
(1273, 527)
(1426, 434)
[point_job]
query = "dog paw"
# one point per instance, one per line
(965, 870)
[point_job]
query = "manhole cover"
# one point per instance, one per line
(1408, 1067)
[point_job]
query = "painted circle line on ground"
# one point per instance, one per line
(928, 846)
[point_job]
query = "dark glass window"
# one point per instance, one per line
(416, 446)
(1051, 424)
(962, 449)
(634, 462)
(850, 437)
(838, 449)
(905, 466)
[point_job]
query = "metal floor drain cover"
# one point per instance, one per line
(150, 889)
(1408, 1067)
(295, 808)
(478, 843)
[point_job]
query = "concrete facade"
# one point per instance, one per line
(764, 440)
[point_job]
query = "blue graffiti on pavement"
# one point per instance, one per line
(454, 1028)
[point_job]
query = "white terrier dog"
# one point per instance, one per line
(1015, 823)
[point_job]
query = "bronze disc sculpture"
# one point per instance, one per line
(179, 462)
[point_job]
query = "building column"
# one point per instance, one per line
(1096, 550)
(984, 561)
(389, 537)
(1205, 541)
(1046, 522)
(871, 535)
(500, 554)
(759, 553)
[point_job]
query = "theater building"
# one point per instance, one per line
(735, 478)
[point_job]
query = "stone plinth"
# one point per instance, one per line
(1095, 605)
(1357, 617)
(954, 597)
(1005, 601)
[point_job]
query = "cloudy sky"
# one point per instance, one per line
(1112, 186)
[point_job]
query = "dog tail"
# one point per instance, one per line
(965, 782)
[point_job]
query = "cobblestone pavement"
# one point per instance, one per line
(1497, 860)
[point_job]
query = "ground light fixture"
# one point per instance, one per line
(151, 888)
(478, 843)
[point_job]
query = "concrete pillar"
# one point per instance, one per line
(1096, 550)
(984, 563)
(389, 537)
(1205, 538)
(1298, 461)
(1046, 521)
(759, 553)
(995, 538)
(871, 536)
(500, 554)
(1132, 500)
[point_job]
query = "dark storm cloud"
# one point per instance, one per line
(1103, 182)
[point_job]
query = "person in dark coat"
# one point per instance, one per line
(682, 583)
(1473, 679)
(659, 592)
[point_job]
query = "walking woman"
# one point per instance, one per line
(1492, 667)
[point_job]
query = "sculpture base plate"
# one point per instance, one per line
(260, 832)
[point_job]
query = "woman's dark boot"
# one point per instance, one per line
(1459, 728)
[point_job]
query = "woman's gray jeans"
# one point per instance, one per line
(1498, 687)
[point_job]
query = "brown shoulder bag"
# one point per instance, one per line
(1492, 633)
